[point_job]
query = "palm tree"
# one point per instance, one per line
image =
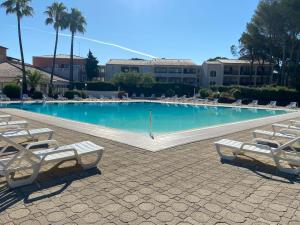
(20, 8)
(76, 24)
(56, 15)
(34, 79)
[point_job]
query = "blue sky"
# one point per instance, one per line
(189, 29)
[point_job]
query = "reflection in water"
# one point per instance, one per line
(135, 116)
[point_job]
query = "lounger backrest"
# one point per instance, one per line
(287, 144)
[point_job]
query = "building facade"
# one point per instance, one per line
(165, 70)
(62, 66)
(235, 72)
(11, 72)
(2, 54)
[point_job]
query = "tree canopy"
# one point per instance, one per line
(273, 36)
(143, 80)
(91, 66)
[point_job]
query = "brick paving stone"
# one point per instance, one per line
(30, 222)
(56, 216)
(277, 207)
(128, 216)
(19, 213)
(200, 217)
(164, 216)
(79, 208)
(146, 206)
(92, 218)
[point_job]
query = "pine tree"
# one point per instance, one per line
(91, 66)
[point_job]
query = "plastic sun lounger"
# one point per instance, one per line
(29, 134)
(292, 105)
(23, 123)
(272, 104)
(56, 154)
(254, 103)
(5, 117)
(284, 133)
(278, 154)
(238, 102)
(285, 126)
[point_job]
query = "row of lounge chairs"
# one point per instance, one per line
(34, 154)
(284, 154)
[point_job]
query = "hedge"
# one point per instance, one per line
(96, 86)
(282, 95)
(12, 91)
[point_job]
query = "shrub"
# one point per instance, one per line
(37, 95)
(236, 93)
(71, 94)
(204, 93)
(170, 93)
(12, 91)
(96, 86)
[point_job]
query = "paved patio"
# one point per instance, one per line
(182, 185)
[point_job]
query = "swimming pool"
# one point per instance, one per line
(134, 116)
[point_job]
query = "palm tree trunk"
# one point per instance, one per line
(53, 64)
(24, 82)
(71, 62)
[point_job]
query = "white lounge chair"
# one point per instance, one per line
(292, 105)
(77, 98)
(238, 102)
(254, 103)
(216, 101)
(272, 104)
(262, 147)
(28, 159)
(61, 98)
(32, 134)
(22, 123)
(283, 133)
(276, 126)
(25, 97)
(5, 117)
(3, 97)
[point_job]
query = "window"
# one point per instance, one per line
(175, 70)
(189, 71)
(161, 70)
(231, 70)
(134, 69)
(124, 69)
(212, 83)
(213, 73)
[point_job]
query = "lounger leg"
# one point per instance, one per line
(226, 157)
(93, 164)
(50, 135)
(21, 182)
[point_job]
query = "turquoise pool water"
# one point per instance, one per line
(135, 116)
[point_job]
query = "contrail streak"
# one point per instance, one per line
(95, 41)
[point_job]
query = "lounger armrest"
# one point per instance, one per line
(256, 140)
(53, 142)
(289, 143)
(61, 151)
(247, 143)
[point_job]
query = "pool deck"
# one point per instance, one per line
(156, 142)
(183, 185)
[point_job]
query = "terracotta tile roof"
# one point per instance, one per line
(59, 56)
(11, 70)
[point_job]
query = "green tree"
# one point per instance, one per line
(20, 8)
(76, 23)
(91, 66)
(34, 79)
(134, 80)
(56, 16)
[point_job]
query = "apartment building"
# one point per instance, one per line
(165, 70)
(62, 66)
(235, 72)
(2, 54)
(11, 71)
